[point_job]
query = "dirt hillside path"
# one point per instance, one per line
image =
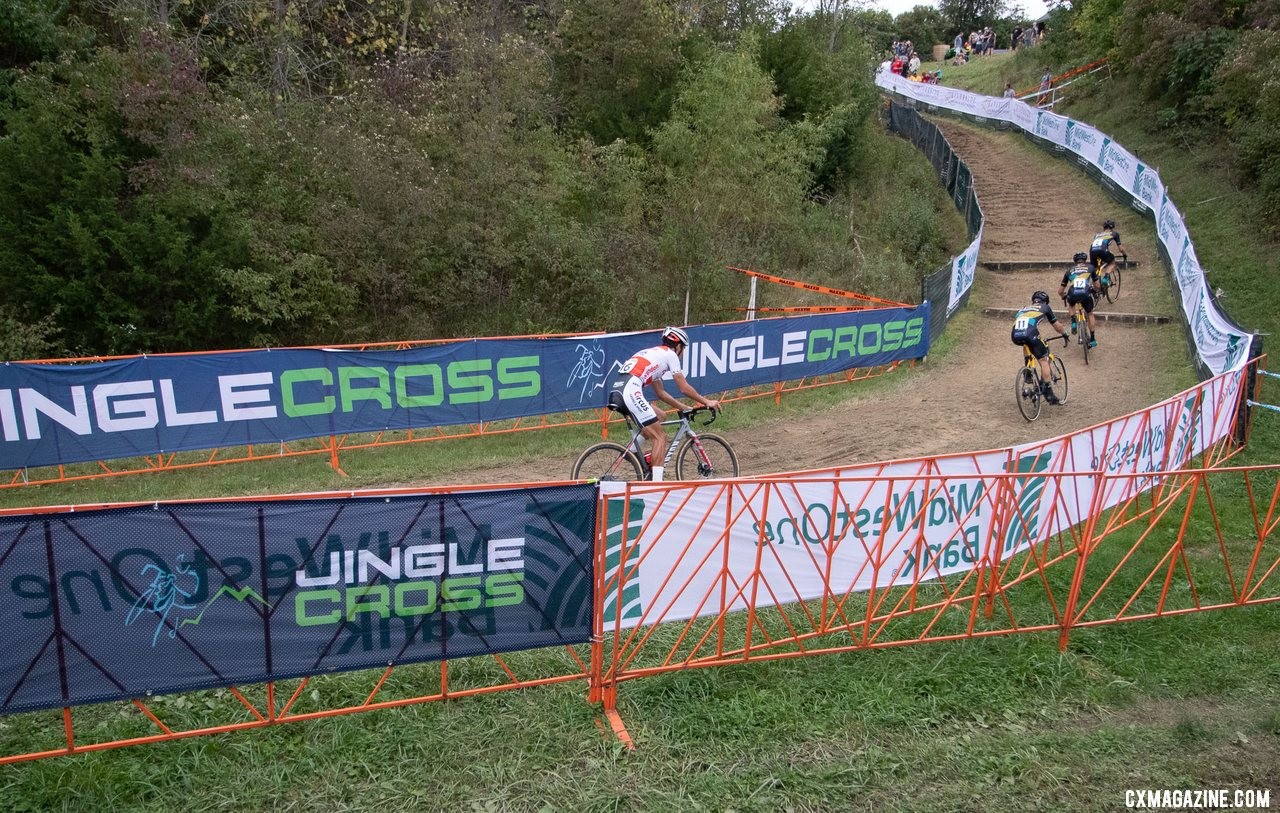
(1037, 208)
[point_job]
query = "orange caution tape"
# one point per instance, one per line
(821, 289)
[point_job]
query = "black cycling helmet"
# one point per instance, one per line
(675, 337)
(1080, 257)
(1040, 298)
(1108, 224)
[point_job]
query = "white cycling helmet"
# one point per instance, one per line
(675, 336)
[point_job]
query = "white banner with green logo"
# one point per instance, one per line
(1220, 345)
(696, 549)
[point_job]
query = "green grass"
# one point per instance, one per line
(1000, 724)
(991, 725)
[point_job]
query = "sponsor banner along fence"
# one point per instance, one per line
(127, 602)
(953, 282)
(52, 414)
(856, 529)
(136, 600)
(1219, 343)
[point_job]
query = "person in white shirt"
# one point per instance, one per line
(651, 366)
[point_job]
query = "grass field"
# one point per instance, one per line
(1000, 724)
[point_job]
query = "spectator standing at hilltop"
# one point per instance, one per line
(1017, 35)
(914, 65)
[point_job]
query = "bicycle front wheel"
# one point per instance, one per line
(1059, 371)
(706, 457)
(607, 461)
(1113, 290)
(1026, 391)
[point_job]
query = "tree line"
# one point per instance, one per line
(205, 174)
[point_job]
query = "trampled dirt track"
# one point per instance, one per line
(1038, 208)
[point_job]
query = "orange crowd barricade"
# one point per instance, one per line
(1138, 518)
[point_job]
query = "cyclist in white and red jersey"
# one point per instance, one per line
(651, 366)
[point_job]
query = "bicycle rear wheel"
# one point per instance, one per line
(706, 457)
(1026, 391)
(607, 461)
(1059, 385)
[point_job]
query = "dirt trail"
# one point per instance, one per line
(1037, 208)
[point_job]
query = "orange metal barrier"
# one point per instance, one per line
(1202, 539)
(77, 730)
(692, 575)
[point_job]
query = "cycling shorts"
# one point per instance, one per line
(1085, 299)
(1103, 254)
(633, 399)
(1032, 341)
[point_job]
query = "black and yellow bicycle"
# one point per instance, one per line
(1026, 384)
(1080, 327)
(1110, 282)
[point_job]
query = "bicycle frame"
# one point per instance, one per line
(636, 444)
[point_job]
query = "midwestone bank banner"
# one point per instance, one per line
(121, 603)
(51, 414)
(1220, 345)
(806, 535)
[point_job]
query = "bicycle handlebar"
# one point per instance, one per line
(688, 414)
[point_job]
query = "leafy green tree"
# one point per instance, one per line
(924, 26)
(35, 30)
(829, 87)
(875, 27)
(736, 177)
(969, 15)
(616, 64)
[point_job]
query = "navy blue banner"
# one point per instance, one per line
(51, 414)
(121, 603)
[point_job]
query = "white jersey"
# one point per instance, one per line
(651, 363)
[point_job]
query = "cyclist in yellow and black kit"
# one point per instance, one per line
(1079, 286)
(1101, 253)
(1026, 332)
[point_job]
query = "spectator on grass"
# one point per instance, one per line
(1017, 35)
(914, 65)
(1046, 84)
(1008, 90)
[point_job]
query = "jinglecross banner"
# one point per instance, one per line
(51, 414)
(121, 603)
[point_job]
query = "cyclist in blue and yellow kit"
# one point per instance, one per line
(1100, 250)
(1026, 332)
(1079, 286)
